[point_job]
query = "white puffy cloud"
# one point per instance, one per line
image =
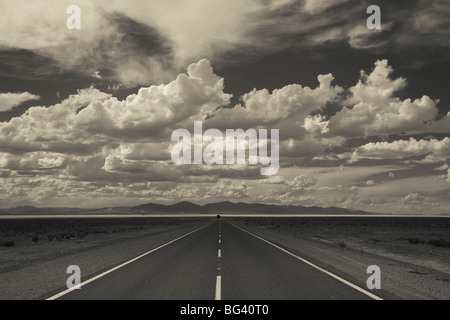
(31, 161)
(93, 137)
(274, 180)
(292, 102)
(374, 110)
(144, 151)
(376, 87)
(285, 109)
(10, 100)
(302, 182)
(316, 123)
(432, 150)
(50, 128)
(91, 119)
(307, 147)
(226, 188)
(137, 170)
(413, 198)
(157, 109)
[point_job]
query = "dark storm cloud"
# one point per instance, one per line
(405, 24)
(141, 38)
(29, 65)
(133, 53)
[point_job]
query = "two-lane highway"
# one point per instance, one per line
(218, 261)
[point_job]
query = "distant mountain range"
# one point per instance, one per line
(186, 207)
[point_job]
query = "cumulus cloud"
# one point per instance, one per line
(148, 170)
(94, 137)
(10, 100)
(292, 102)
(157, 109)
(302, 182)
(52, 128)
(95, 146)
(31, 161)
(274, 180)
(144, 151)
(316, 123)
(432, 150)
(86, 122)
(374, 110)
(413, 199)
(229, 189)
(284, 109)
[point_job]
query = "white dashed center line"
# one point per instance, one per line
(218, 288)
(219, 277)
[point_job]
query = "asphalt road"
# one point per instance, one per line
(219, 261)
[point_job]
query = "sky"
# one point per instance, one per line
(86, 115)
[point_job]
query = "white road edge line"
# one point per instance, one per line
(122, 265)
(219, 288)
(375, 297)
